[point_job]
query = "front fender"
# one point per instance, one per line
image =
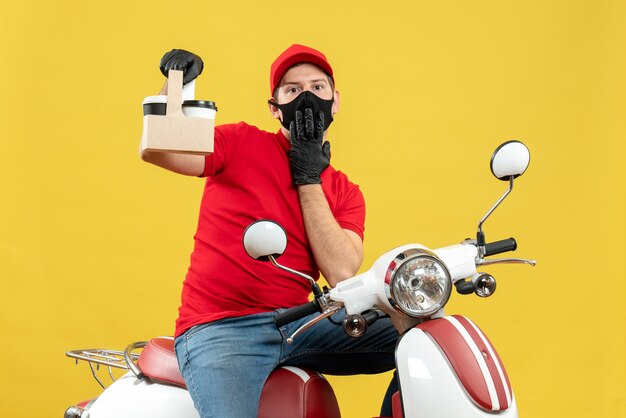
(448, 368)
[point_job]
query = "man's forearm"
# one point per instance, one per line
(187, 164)
(338, 253)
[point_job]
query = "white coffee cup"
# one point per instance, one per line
(157, 105)
(199, 109)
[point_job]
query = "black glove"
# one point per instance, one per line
(308, 155)
(178, 59)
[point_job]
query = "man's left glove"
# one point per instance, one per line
(308, 155)
(178, 59)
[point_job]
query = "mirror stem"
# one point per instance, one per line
(480, 235)
(317, 292)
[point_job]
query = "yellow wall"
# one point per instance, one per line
(94, 243)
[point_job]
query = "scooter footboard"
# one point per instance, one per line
(448, 368)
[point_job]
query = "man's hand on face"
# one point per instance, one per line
(178, 59)
(309, 155)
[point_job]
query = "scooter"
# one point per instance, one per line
(446, 367)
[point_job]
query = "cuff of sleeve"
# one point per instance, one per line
(352, 227)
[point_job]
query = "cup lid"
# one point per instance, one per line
(200, 103)
(155, 99)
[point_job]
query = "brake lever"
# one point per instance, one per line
(330, 310)
(485, 262)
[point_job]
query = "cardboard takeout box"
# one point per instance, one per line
(175, 132)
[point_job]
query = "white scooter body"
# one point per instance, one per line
(129, 397)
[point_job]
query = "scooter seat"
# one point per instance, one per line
(294, 391)
(158, 362)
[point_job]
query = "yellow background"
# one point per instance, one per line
(94, 243)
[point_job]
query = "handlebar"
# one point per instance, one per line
(501, 246)
(295, 313)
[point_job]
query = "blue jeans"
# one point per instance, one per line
(225, 363)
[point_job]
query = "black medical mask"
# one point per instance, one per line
(303, 101)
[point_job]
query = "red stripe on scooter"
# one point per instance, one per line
(461, 359)
(493, 370)
(506, 376)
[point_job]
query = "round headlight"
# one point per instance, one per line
(417, 283)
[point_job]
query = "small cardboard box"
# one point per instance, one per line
(175, 132)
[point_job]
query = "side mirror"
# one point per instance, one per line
(263, 239)
(266, 241)
(510, 159)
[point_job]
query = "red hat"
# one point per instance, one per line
(293, 55)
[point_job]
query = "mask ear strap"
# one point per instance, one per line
(273, 103)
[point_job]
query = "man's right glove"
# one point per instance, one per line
(178, 59)
(309, 155)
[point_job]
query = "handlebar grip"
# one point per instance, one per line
(296, 313)
(501, 246)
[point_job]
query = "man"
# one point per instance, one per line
(226, 341)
